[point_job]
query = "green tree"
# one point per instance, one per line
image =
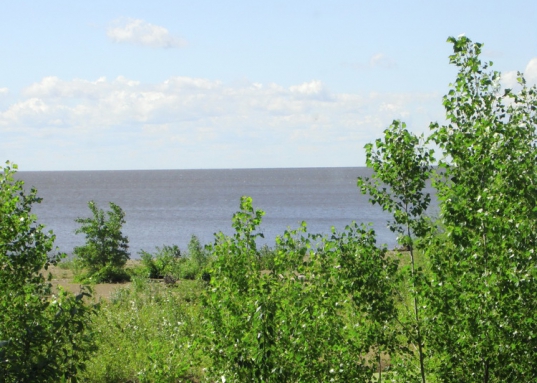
(43, 338)
(478, 299)
(483, 297)
(106, 249)
(402, 165)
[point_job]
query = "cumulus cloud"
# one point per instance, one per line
(140, 32)
(509, 79)
(531, 71)
(4, 91)
(313, 87)
(187, 122)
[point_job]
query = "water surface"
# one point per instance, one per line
(168, 206)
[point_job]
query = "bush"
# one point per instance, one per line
(482, 301)
(148, 333)
(167, 261)
(163, 262)
(108, 274)
(267, 257)
(197, 252)
(188, 269)
(106, 249)
(43, 338)
(318, 314)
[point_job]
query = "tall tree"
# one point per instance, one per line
(483, 297)
(402, 165)
(475, 312)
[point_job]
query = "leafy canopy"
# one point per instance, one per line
(483, 293)
(314, 315)
(43, 338)
(475, 305)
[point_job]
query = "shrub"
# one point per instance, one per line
(484, 283)
(148, 333)
(197, 252)
(109, 274)
(43, 338)
(316, 315)
(163, 262)
(402, 166)
(167, 261)
(267, 257)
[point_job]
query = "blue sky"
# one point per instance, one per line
(234, 84)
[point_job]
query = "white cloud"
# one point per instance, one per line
(381, 61)
(140, 32)
(186, 122)
(313, 87)
(531, 71)
(509, 79)
(4, 91)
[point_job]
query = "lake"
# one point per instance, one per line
(168, 206)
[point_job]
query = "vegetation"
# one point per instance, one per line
(404, 165)
(483, 288)
(164, 262)
(41, 335)
(168, 261)
(316, 315)
(147, 332)
(457, 305)
(478, 295)
(105, 252)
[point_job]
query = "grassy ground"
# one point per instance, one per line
(145, 330)
(62, 276)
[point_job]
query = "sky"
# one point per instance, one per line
(112, 85)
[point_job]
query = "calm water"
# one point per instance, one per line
(168, 206)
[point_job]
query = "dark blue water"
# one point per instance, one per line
(168, 206)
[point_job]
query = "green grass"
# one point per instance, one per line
(148, 332)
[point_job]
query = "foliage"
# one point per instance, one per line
(106, 249)
(167, 261)
(43, 338)
(72, 264)
(148, 333)
(484, 289)
(197, 253)
(478, 298)
(106, 274)
(163, 262)
(267, 255)
(402, 166)
(317, 315)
